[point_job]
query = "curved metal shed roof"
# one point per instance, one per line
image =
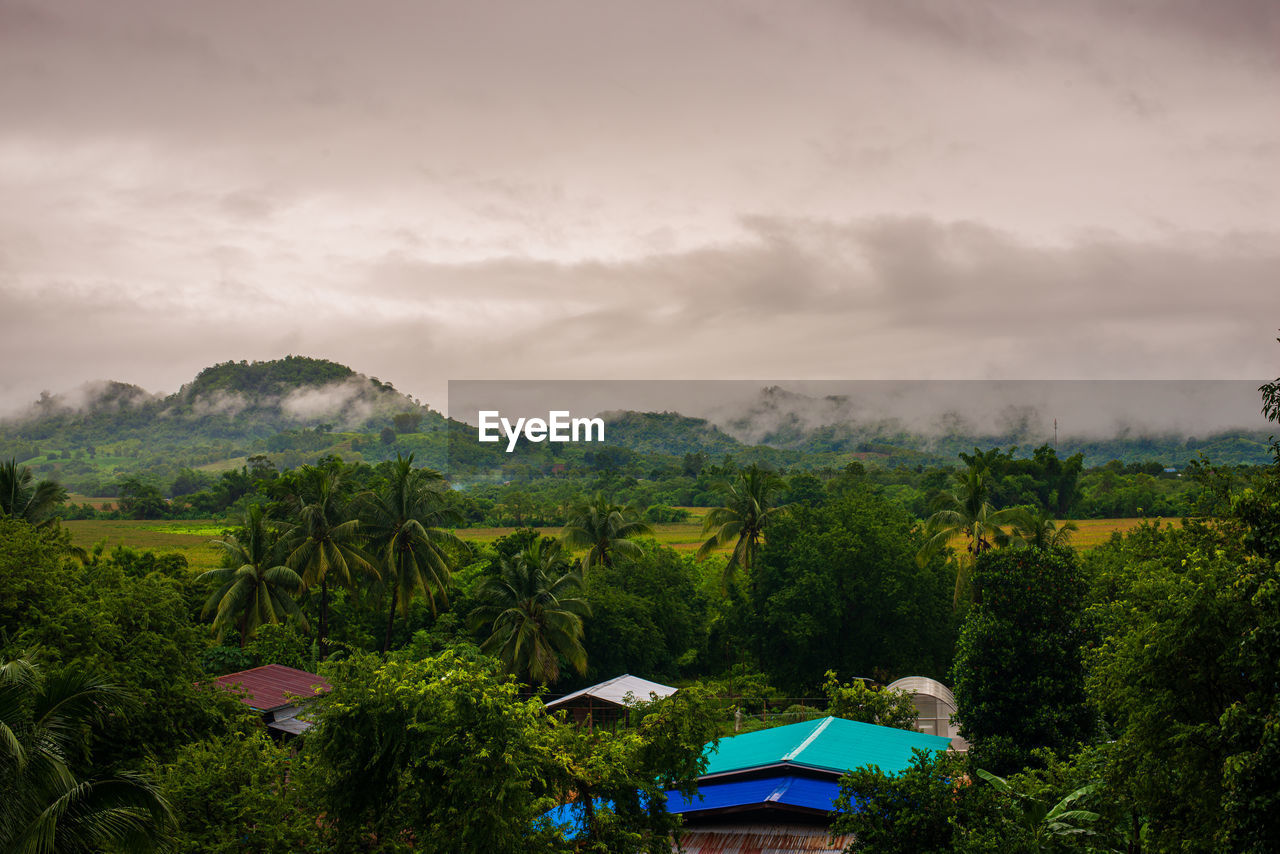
(925, 685)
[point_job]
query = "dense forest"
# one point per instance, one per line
(1120, 698)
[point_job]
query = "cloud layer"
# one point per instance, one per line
(584, 190)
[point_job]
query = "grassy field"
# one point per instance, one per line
(190, 537)
(187, 537)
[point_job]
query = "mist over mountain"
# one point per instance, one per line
(297, 409)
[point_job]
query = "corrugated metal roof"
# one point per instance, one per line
(615, 691)
(268, 687)
(764, 792)
(925, 685)
(761, 839)
(833, 745)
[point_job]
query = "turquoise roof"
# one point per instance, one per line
(834, 745)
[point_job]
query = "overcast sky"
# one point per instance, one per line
(728, 190)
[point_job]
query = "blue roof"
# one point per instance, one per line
(768, 791)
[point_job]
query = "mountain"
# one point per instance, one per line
(298, 409)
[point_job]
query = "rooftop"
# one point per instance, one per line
(615, 691)
(831, 745)
(268, 688)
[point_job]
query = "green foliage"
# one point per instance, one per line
(533, 613)
(605, 529)
(647, 616)
(254, 588)
(403, 520)
(241, 793)
(440, 755)
(1185, 675)
(931, 806)
(748, 510)
(52, 796)
(838, 587)
(136, 632)
(1047, 823)
(21, 497)
(856, 702)
(1018, 677)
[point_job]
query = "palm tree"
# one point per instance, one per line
(22, 498)
(254, 587)
(748, 510)
(965, 512)
(323, 540)
(1034, 527)
(44, 806)
(604, 528)
(402, 520)
(534, 615)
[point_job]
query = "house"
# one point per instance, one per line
(606, 703)
(773, 790)
(278, 693)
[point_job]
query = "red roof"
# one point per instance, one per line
(265, 688)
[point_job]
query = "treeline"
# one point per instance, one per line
(1060, 488)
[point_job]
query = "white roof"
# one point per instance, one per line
(615, 690)
(924, 685)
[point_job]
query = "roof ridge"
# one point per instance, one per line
(826, 722)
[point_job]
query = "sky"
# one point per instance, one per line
(815, 189)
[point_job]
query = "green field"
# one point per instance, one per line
(187, 537)
(190, 537)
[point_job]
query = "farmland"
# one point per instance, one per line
(190, 538)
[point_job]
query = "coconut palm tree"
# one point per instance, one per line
(254, 587)
(748, 510)
(534, 615)
(323, 539)
(45, 806)
(22, 498)
(1034, 527)
(605, 529)
(966, 512)
(403, 520)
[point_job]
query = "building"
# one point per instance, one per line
(606, 703)
(278, 693)
(936, 705)
(773, 790)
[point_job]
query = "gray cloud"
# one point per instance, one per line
(575, 189)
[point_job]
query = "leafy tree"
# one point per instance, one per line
(403, 521)
(438, 754)
(648, 617)
(749, 509)
(856, 702)
(605, 529)
(23, 498)
(136, 632)
(1018, 675)
(51, 800)
(533, 614)
(1185, 676)
(241, 792)
(255, 587)
(142, 500)
(324, 540)
(1045, 822)
(930, 807)
(966, 512)
(838, 587)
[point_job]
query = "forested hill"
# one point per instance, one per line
(297, 409)
(233, 400)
